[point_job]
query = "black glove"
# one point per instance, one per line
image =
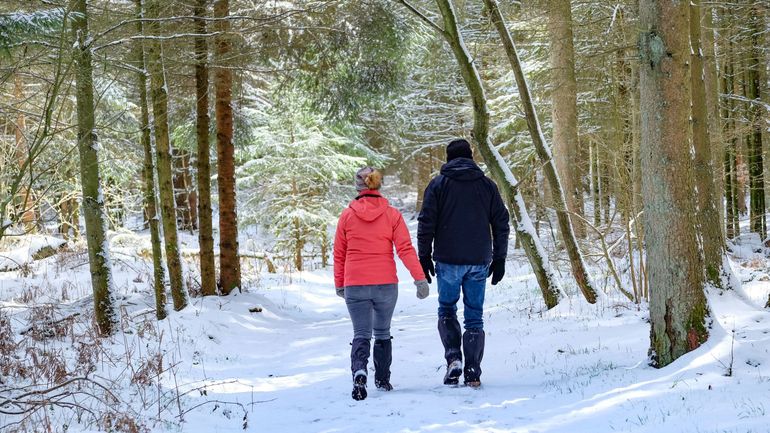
(496, 270)
(427, 268)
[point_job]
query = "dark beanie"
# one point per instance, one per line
(458, 149)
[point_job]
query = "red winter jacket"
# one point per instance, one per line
(363, 246)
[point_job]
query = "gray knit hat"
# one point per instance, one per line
(361, 178)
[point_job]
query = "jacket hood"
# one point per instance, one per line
(369, 208)
(463, 169)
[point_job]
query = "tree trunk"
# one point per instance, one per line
(678, 306)
(184, 194)
(229, 262)
(159, 94)
(564, 96)
(205, 225)
(150, 196)
(595, 187)
(25, 202)
(711, 81)
(423, 173)
(732, 211)
(544, 153)
(500, 171)
(757, 220)
(708, 215)
(93, 200)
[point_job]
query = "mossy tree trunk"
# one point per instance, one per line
(150, 196)
(159, 95)
(544, 153)
(499, 169)
(205, 224)
(93, 200)
(678, 306)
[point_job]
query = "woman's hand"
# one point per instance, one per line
(423, 290)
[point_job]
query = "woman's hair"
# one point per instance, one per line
(373, 180)
(368, 178)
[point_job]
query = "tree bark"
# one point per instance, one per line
(159, 94)
(708, 215)
(711, 81)
(205, 225)
(678, 306)
(544, 153)
(229, 262)
(732, 211)
(499, 169)
(150, 196)
(93, 200)
(565, 115)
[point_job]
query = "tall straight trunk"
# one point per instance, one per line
(159, 94)
(565, 115)
(546, 159)
(205, 225)
(229, 261)
(150, 196)
(732, 210)
(499, 169)
(711, 81)
(708, 215)
(595, 187)
(757, 220)
(93, 200)
(678, 306)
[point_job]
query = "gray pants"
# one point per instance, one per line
(371, 308)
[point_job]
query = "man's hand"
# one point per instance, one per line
(341, 292)
(496, 270)
(427, 268)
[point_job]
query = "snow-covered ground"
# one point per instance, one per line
(577, 368)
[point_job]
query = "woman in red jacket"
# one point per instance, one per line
(365, 275)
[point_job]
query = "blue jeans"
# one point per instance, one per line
(471, 279)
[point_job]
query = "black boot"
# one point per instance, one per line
(359, 386)
(449, 330)
(359, 358)
(383, 356)
(473, 346)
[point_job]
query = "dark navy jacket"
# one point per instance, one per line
(463, 217)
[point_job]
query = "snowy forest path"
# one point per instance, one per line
(576, 368)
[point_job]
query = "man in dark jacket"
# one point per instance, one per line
(463, 226)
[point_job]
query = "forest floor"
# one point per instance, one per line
(217, 367)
